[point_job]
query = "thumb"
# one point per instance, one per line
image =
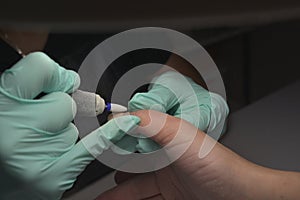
(163, 128)
(178, 138)
(72, 163)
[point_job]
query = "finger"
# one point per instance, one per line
(53, 112)
(159, 126)
(38, 73)
(137, 188)
(91, 146)
(158, 98)
(166, 93)
(146, 145)
(199, 115)
(41, 143)
(169, 127)
(132, 144)
(209, 112)
(128, 144)
(185, 137)
(63, 142)
(179, 96)
(219, 114)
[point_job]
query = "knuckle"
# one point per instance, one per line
(41, 61)
(38, 57)
(36, 54)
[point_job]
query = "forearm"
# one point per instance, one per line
(261, 183)
(278, 185)
(239, 178)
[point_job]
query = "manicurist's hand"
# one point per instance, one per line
(179, 96)
(39, 156)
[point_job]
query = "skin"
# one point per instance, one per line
(222, 174)
(27, 41)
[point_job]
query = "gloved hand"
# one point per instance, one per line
(181, 97)
(38, 155)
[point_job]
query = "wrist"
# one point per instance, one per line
(263, 183)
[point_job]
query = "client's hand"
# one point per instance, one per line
(222, 174)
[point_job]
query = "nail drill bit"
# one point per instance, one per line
(91, 104)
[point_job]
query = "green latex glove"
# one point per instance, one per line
(39, 157)
(181, 97)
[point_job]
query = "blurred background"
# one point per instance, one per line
(255, 44)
